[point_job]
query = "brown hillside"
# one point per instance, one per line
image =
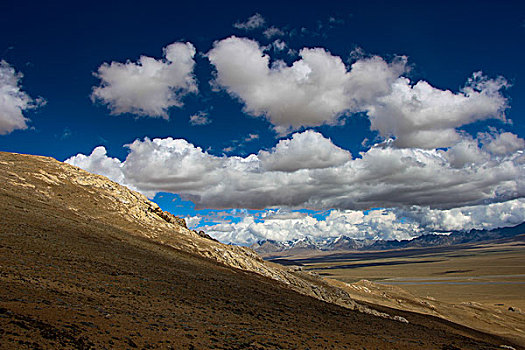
(87, 263)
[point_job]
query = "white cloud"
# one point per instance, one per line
(488, 217)
(386, 224)
(376, 224)
(13, 101)
(320, 89)
(99, 163)
(315, 90)
(306, 150)
(420, 115)
(200, 118)
(272, 32)
(466, 153)
(148, 87)
(328, 177)
(254, 22)
(502, 144)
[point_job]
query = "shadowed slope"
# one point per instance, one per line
(87, 263)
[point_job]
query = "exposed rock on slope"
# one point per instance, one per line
(86, 263)
(104, 201)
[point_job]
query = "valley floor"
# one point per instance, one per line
(479, 285)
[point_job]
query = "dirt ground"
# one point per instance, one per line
(480, 285)
(68, 281)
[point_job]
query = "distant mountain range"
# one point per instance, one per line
(347, 243)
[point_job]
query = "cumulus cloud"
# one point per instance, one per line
(502, 144)
(487, 217)
(320, 89)
(200, 118)
(420, 115)
(13, 101)
(376, 224)
(148, 87)
(465, 153)
(384, 176)
(315, 90)
(99, 163)
(386, 224)
(253, 22)
(306, 150)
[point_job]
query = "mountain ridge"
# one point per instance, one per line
(87, 263)
(167, 228)
(344, 242)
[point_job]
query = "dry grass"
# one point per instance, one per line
(481, 286)
(87, 276)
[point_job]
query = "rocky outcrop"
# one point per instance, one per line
(100, 200)
(169, 217)
(205, 235)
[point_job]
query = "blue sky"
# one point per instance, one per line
(58, 47)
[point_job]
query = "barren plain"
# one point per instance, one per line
(478, 285)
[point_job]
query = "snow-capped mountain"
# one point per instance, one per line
(348, 243)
